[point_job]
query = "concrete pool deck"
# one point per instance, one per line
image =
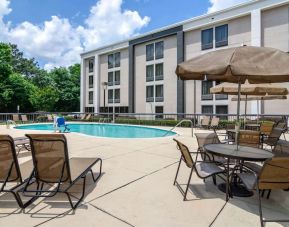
(136, 189)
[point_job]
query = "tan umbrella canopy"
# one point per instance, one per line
(249, 89)
(267, 97)
(256, 64)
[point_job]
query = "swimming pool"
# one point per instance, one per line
(106, 130)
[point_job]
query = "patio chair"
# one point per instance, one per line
(53, 166)
(60, 122)
(266, 127)
(214, 123)
(273, 138)
(10, 170)
(281, 149)
(284, 127)
(273, 175)
(205, 122)
(204, 169)
(249, 138)
(204, 139)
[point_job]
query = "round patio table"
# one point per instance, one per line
(243, 153)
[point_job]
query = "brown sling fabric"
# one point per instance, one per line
(50, 156)
(275, 174)
(249, 138)
(185, 154)
(7, 158)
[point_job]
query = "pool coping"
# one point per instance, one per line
(96, 123)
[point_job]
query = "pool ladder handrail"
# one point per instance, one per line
(179, 123)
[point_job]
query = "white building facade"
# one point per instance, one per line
(138, 75)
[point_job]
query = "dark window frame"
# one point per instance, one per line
(159, 98)
(91, 65)
(159, 77)
(90, 81)
(90, 97)
(150, 98)
(224, 41)
(116, 82)
(150, 78)
(159, 54)
(207, 106)
(110, 61)
(150, 57)
(206, 95)
(207, 45)
(110, 78)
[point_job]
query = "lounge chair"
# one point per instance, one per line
(52, 165)
(24, 118)
(10, 170)
(83, 116)
(15, 118)
(273, 175)
(22, 143)
(60, 122)
(88, 116)
(204, 169)
(49, 117)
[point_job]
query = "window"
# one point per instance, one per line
(117, 78)
(90, 65)
(117, 59)
(117, 96)
(207, 39)
(110, 60)
(207, 109)
(90, 81)
(89, 109)
(150, 94)
(221, 35)
(90, 97)
(222, 110)
(159, 109)
(110, 96)
(159, 93)
(110, 79)
(159, 50)
(206, 85)
(150, 52)
(149, 73)
(160, 71)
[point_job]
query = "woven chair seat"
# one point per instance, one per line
(206, 169)
(248, 179)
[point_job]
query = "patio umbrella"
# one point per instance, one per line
(257, 98)
(256, 65)
(261, 90)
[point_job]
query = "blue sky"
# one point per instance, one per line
(55, 32)
(77, 10)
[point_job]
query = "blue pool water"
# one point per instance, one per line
(106, 130)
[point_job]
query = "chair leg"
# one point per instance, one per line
(177, 171)
(100, 170)
(269, 192)
(214, 179)
(188, 184)
(260, 207)
(80, 199)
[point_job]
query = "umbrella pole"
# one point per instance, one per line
(246, 103)
(238, 114)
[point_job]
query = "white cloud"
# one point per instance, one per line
(222, 4)
(58, 43)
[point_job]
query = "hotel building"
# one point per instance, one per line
(138, 75)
